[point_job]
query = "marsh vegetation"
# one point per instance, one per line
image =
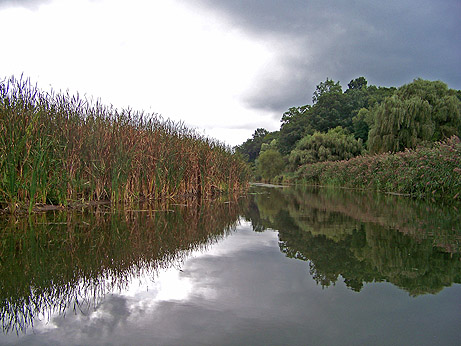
(61, 149)
(402, 140)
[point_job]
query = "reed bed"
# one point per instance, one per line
(426, 172)
(57, 148)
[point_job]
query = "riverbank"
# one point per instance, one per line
(57, 149)
(426, 172)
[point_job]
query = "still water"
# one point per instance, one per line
(284, 266)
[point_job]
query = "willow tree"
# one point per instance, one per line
(337, 144)
(422, 111)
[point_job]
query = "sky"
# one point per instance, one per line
(226, 67)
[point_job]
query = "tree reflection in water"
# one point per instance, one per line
(364, 237)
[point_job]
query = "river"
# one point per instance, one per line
(282, 266)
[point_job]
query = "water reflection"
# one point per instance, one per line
(364, 237)
(50, 262)
(200, 274)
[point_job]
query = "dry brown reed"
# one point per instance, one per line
(57, 148)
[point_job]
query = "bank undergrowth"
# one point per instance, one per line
(58, 148)
(425, 172)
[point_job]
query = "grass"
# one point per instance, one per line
(57, 148)
(426, 172)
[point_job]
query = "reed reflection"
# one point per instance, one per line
(50, 262)
(364, 237)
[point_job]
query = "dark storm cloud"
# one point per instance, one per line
(388, 42)
(31, 4)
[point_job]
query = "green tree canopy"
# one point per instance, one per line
(251, 147)
(331, 108)
(358, 83)
(334, 145)
(327, 87)
(295, 125)
(362, 123)
(270, 164)
(383, 118)
(422, 111)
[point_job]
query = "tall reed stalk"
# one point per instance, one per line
(58, 148)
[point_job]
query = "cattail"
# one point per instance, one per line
(57, 148)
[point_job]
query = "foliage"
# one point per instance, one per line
(381, 119)
(422, 111)
(422, 172)
(295, 125)
(327, 87)
(330, 111)
(57, 148)
(331, 108)
(334, 145)
(358, 83)
(361, 124)
(251, 147)
(270, 164)
(268, 146)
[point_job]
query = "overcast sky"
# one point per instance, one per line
(226, 67)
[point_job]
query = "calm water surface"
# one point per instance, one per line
(291, 266)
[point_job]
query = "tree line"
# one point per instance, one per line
(339, 125)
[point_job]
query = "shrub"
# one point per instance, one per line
(270, 164)
(334, 145)
(424, 172)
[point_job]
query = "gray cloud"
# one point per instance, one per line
(390, 43)
(245, 126)
(112, 313)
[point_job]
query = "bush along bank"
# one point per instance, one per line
(58, 149)
(424, 172)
